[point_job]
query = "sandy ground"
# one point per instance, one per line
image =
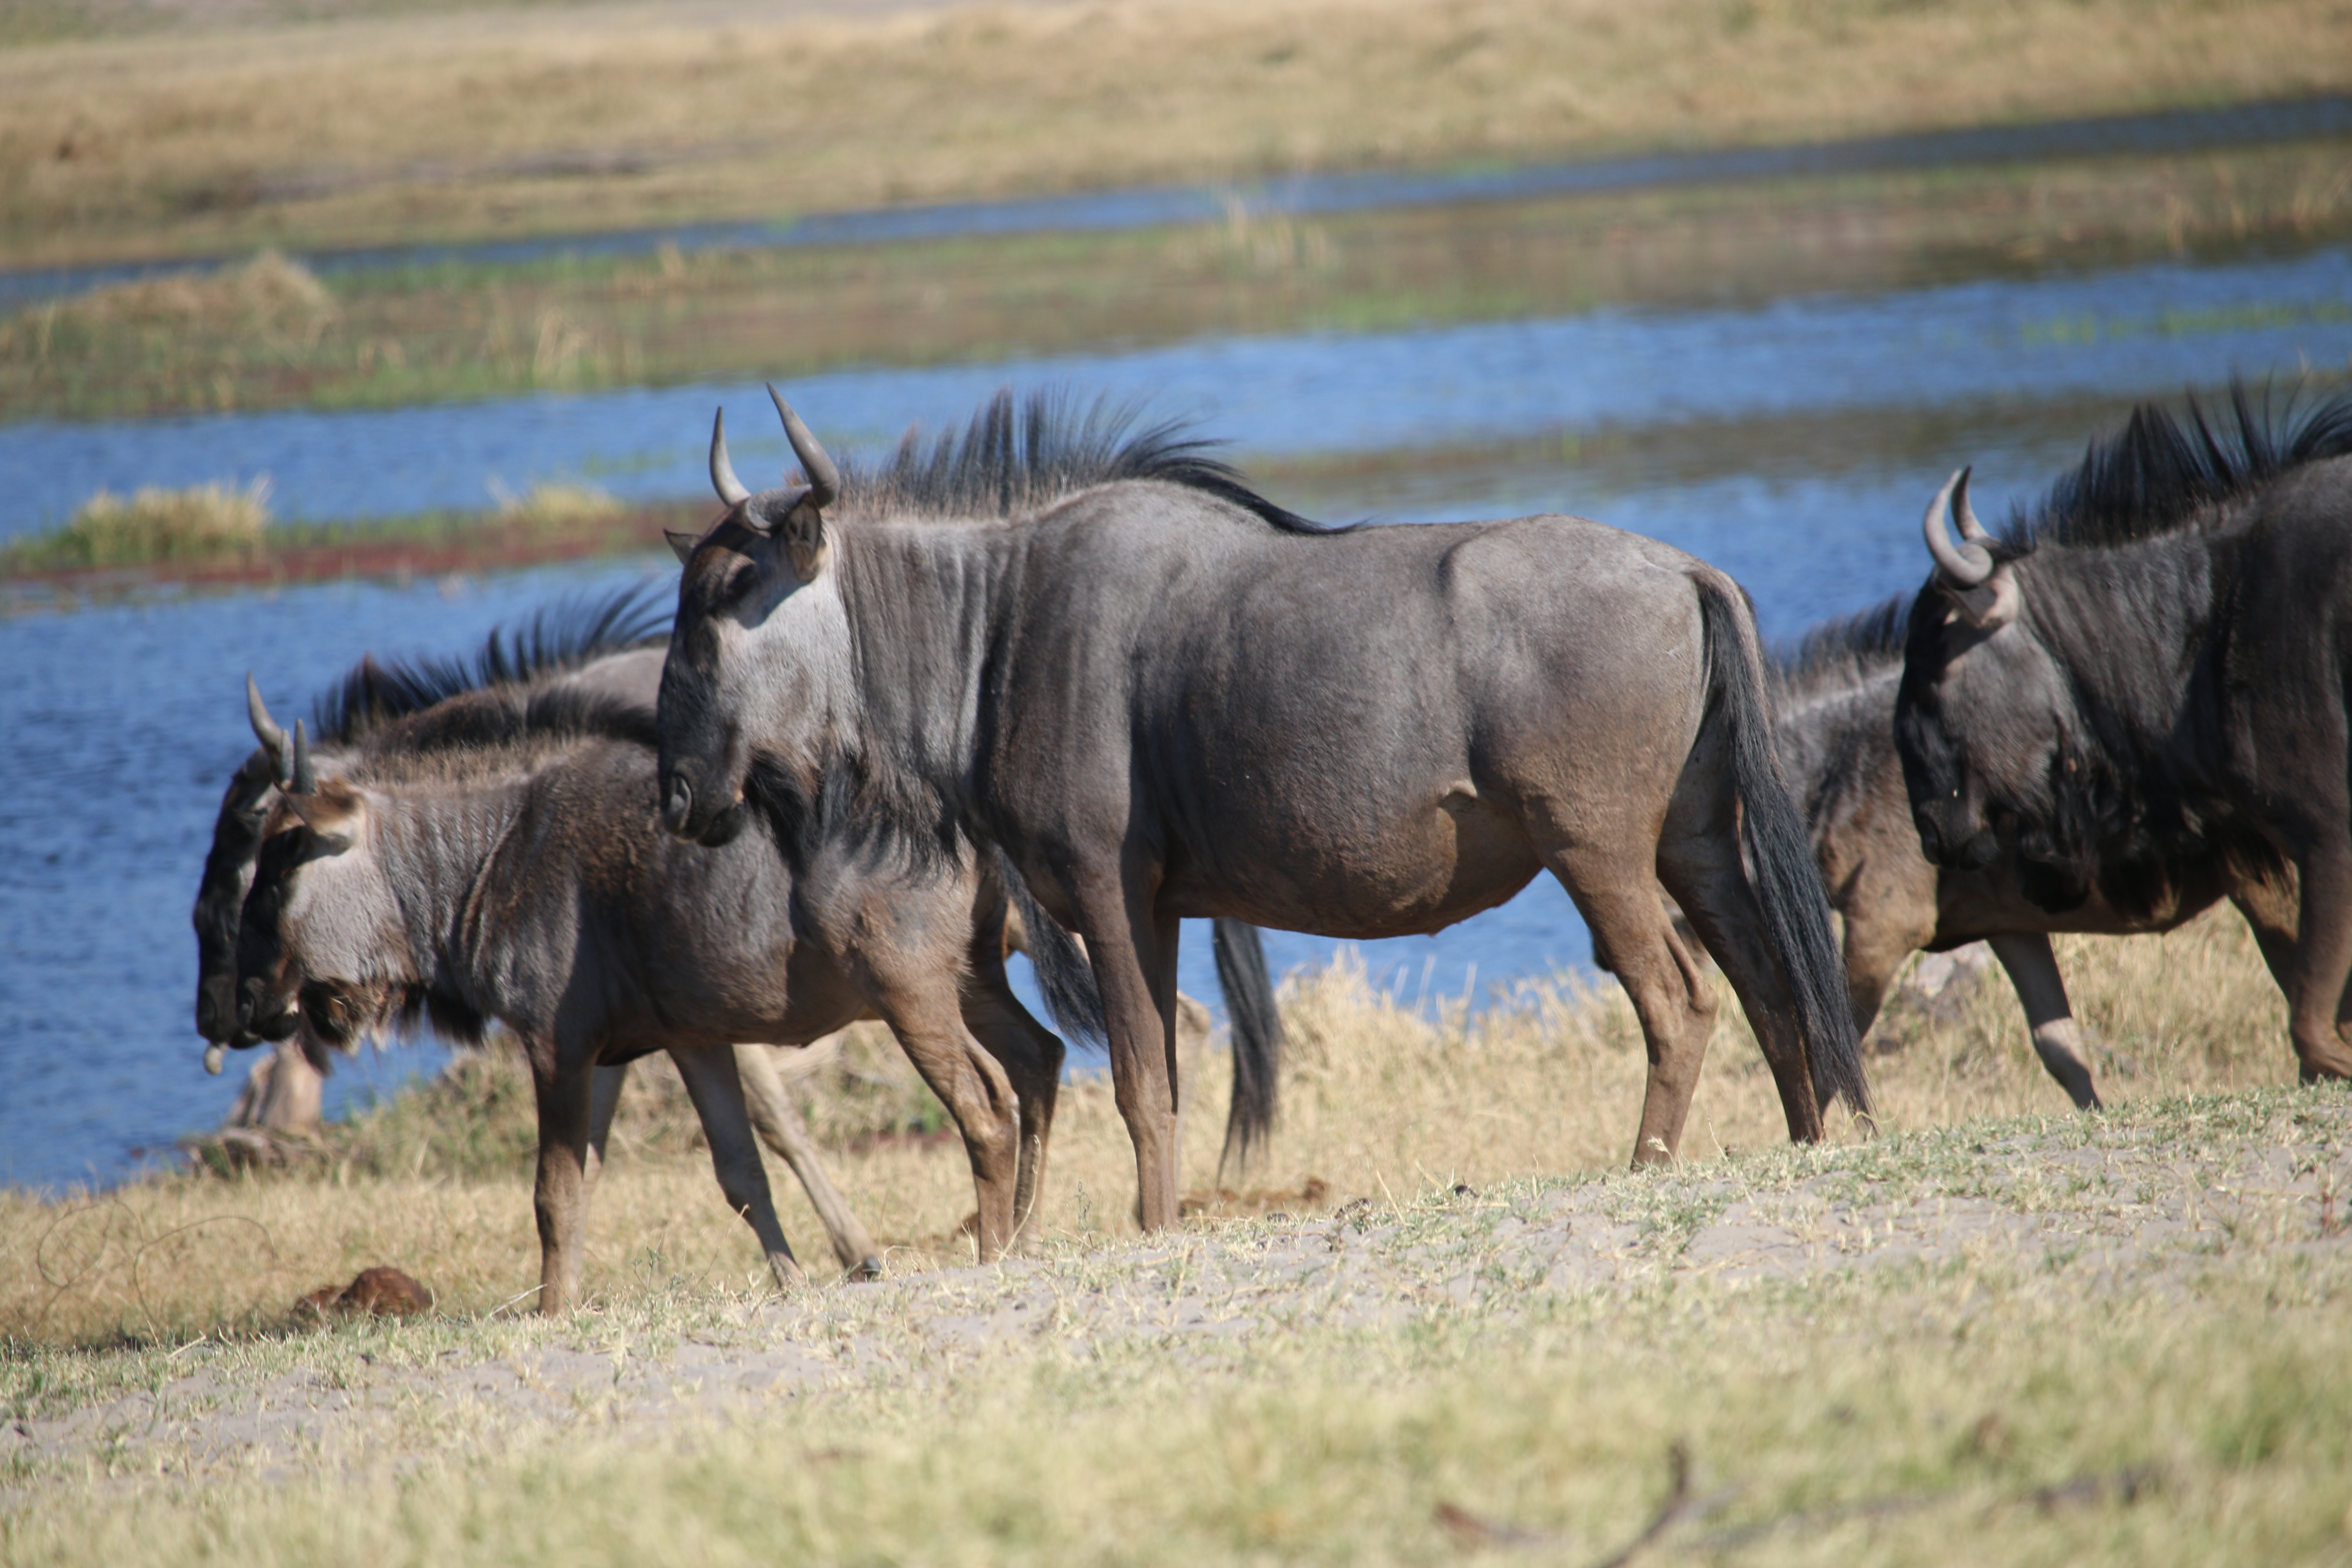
(2097, 1209)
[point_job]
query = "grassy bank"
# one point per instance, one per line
(268, 335)
(409, 124)
(2114, 1339)
(1378, 1102)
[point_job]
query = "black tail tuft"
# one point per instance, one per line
(1781, 857)
(1257, 1037)
(1064, 976)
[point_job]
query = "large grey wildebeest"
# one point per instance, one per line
(1834, 712)
(1163, 696)
(517, 874)
(2143, 678)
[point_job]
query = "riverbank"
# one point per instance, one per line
(272, 335)
(406, 125)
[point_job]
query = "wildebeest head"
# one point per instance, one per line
(1977, 718)
(758, 610)
(320, 942)
(228, 874)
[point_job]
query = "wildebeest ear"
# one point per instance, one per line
(804, 543)
(337, 815)
(681, 545)
(1990, 605)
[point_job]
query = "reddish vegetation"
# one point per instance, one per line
(492, 546)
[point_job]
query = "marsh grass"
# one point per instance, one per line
(1379, 1102)
(416, 123)
(151, 526)
(448, 330)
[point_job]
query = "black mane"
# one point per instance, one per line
(560, 638)
(2163, 474)
(1017, 456)
(1841, 652)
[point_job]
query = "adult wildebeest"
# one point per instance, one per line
(1833, 711)
(1162, 696)
(2144, 678)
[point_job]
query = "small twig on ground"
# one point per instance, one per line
(1472, 1532)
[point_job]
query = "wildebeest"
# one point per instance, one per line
(2143, 678)
(1834, 712)
(1162, 696)
(525, 880)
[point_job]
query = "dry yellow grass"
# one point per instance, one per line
(1378, 1103)
(436, 125)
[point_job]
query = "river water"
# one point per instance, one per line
(1794, 445)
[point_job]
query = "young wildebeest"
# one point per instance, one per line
(2144, 680)
(524, 879)
(1164, 696)
(1834, 712)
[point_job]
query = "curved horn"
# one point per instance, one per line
(1966, 568)
(723, 472)
(825, 480)
(306, 779)
(1965, 515)
(265, 728)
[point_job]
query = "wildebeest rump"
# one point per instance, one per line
(1834, 712)
(2146, 674)
(1164, 696)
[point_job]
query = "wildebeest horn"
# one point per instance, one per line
(306, 780)
(723, 472)
(265, 728)
(1961, 568)
(825, 480)
(1972, 531)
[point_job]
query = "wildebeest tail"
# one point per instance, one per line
(1779, 852)
(1064, 976)
(1257, 1031)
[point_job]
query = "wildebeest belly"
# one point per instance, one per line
(1366, 880)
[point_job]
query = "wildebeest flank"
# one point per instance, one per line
(1165, 696)
(1833, 711)
(2146, 674)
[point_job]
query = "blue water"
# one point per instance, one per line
(2148, 330)
(123, 722)
(2172, 132)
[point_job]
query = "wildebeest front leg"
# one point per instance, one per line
(604, 1099)
(1031, 1056)
(2057, 1040)
(2323, 960)
(974, 1087)
(717, 1090)
(559, 1200)
(779, 1121)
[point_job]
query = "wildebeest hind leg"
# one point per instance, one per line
(716, 1086)
(1617, 893)
(1702, 870)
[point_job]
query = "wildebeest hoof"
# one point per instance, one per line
(866, 1271)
